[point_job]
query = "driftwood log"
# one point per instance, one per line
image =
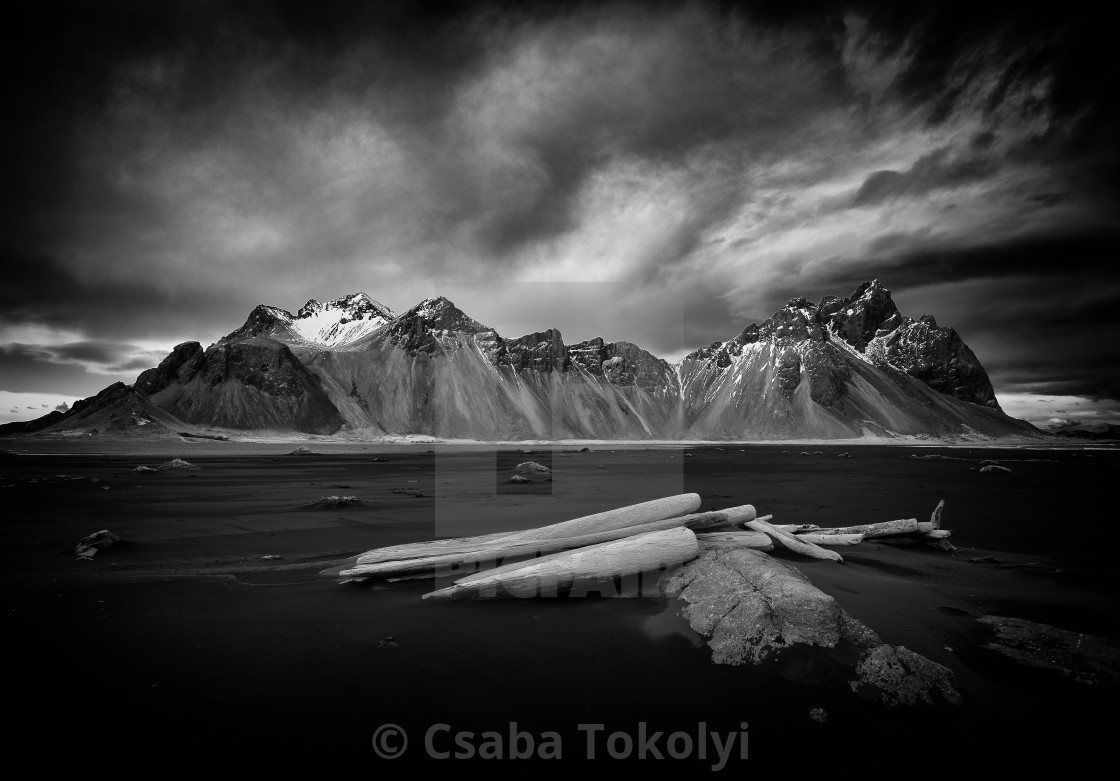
(619, 518)
(935, 517)
(550, 575)
(493, 551)
(792, 543)
(631, 515)
(735, 539)
(871, 530)
(831, 540)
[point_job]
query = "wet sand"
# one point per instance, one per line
(180, 650)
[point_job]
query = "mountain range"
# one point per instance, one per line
(840, 368)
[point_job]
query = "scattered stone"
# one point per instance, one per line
(177, 463)
(379, 460)
(995, 468)
(387, 642)
(819, 715)
(143, 468)
(334, 502)
(518, 479)
(1085, 658)
(584, 450)
(302, 450)
(688, 455)
(271, 557)
(88, 547)
(532, 467)
(898, 676)
(844, 455)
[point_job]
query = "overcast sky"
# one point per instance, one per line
(661, 173)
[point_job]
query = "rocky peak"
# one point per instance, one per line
(178, 366)
(355, 306)
(312, 307)
(624, 364)
(858, 318)
(543, 351)
(263, 319)
(796, 322)
(423, 325)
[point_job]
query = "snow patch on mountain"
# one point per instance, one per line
(340, 322)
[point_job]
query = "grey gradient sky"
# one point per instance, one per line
(663, 173)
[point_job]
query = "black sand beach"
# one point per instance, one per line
(181, 650)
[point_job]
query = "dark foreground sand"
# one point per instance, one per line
(180, 650)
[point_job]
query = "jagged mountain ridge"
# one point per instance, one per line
(845, 367)
(334, 324)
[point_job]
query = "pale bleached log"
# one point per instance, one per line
(924, 527)
(416, 550)
(631, 515)
(792, 543)
(739, 515)
(831, 540)
(921, 536)
(619, 518)
(696, 521)
(506, 549)
(585, 566)
(737, 539)
(870, 530)
(935, 517)
(796, 528)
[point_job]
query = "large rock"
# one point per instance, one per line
(898, 676)
(751, 606)
(1083, 658)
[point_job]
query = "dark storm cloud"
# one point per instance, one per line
(936, 170)
(93, 352)
(137, 301)
(25, 368)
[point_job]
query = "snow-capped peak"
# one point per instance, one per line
(339, 322)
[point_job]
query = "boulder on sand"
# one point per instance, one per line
(898, 676)
(334, 502)
(750, 606)
(88, 547)
(532, 467)
(177, 463)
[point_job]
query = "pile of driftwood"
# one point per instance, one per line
(815, 542)
(646, 537)
(626, 541)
